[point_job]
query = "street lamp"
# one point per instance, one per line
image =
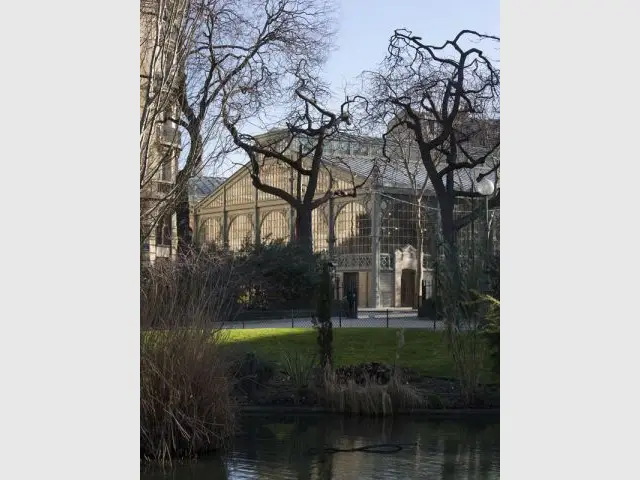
(485, 187)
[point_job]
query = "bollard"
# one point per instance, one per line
(291, 318)
(387, 318)
(340, 317)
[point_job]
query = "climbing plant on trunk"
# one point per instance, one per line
(322, 321)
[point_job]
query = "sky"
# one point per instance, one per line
(365, 27)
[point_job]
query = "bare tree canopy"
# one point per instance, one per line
(446, 99)
(298, 150)
(237, 49)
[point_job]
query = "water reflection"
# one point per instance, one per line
(278, 448)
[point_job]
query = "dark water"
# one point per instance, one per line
(279, 448)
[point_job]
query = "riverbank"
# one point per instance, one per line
(252, 410)
(359, 389)
(376, 371)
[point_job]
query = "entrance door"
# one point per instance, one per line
(407, 287)
(350, 283)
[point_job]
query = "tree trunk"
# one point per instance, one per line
(448, 231)
(450, 272)
(192, 165)
(185, 235)
(324, 326)
(304, 233)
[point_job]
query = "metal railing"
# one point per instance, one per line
(302, 318)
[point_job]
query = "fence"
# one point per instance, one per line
(388, 318)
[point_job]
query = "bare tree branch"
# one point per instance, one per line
(194, 54)
(447, 97)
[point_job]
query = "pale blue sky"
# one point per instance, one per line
(366, 25)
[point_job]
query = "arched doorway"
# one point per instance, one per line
(407, 287)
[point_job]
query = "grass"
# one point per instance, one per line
(424, 351)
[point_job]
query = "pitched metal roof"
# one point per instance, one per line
(201, 187)
(398, 174)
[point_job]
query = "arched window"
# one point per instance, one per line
(274, 226)
(320, 230)
(164, 230)
(212, 231)
(353, 229)
(240, 232)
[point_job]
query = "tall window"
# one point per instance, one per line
(165, 171)
(275, 226)
(353, 229)
(212, 233)
(241, 192)
(163, 231)
(399, 225)
(240, 231)
(320, 229)
(276, 176)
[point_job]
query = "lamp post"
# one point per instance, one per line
(485, 187)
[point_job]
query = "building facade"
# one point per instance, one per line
(160, 141)
(381, 240)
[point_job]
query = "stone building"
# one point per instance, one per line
(160, 140)
(372, 238)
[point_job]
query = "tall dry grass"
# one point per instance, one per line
(369, 398)
(186, 378)
(186, 405)
(200, 290)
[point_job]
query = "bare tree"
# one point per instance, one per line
(235, 48)
(166, 30)
(300, 151)
(447, 98)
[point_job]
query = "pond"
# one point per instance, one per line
(283, 447)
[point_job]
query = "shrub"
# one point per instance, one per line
(251, 373)
(457, 280)
(299, 368)
(431, 308)
(492, 330)
(434, 401)
(278, 276)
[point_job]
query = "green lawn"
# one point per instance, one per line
(424, 351)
